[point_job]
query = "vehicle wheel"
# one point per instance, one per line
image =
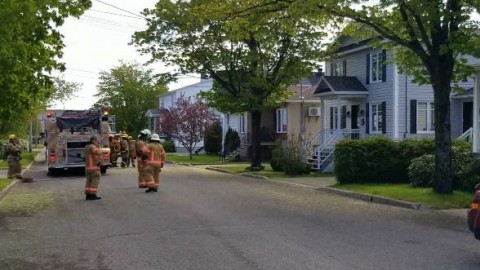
(103, 169)
(51, 172)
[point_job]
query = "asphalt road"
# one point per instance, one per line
(203, 219)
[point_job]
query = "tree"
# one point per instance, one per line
(31, 48)
(213, 138)
(129, 91)
(252, 58)
(431, 40)
(62, 90)
(187, 121)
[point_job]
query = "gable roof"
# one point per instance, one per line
(333, 85)
(153, 112)
(305, 88)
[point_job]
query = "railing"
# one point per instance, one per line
(467, 135)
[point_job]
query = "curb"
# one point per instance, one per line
(345, 193)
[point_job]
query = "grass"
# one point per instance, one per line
(4, 182)
(196, 159)
(268, 172)
(26, 159)
(405, 192)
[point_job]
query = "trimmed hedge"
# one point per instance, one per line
(169, 146)
(213, 139)
(380, 159)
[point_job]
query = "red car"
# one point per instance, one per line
(473, 214)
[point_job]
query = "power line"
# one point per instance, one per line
(110, 23)
(119, 8)
(116, 14)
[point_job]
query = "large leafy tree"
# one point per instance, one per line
(252, 58)
(187, 121)
(30, 49)
(130, 90)
(431, 40)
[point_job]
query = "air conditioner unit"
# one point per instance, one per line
(313, 111)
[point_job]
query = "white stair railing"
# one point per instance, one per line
(467, 135)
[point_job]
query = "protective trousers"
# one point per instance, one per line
(93, 179)
(153, 176)
(142, 176)
(14, 168)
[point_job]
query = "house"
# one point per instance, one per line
(364, 94)
(168, 99)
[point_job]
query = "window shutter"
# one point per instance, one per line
(384, 117)
(367, 118)
(344, 68)
(344, 117)
(368, 69)
(384, 65)
(331, 118)
(413, 116)
(331, 69)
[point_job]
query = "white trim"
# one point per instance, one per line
(379, 65)
(427, 102)
(342, 93)
(305, 101)
(361, 48)
(378, 113)
(396, 99)
(476, 126)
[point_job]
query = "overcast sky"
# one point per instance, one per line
(98, 41)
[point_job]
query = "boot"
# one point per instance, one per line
(150, 190)
(92, 197)
(155, 190)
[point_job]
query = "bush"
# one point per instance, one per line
(278, 159)
(421, 171)
(169, 146)
(213, 139)
(232, 141)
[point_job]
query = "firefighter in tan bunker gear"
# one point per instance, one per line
(155, 160)
(141, 158)
(115, 150)
(124, 151)
(92, 169)
(14, 152)
(132, 151)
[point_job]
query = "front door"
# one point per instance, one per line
(354, 120)
(467, 115)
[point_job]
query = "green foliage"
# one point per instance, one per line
(129, 90)
(169, 146)
(421, 171)
(213, 139)
(295, 156)
(31, 46)
(232, 141)
(278, 159)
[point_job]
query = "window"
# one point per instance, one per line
(377, 121)
(338, 69)
(376, 67)
(281, 120)
(242, 123)
(425, 116)
(333, 118)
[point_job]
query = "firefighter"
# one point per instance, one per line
(14, 152)
(141, 158)
(92, 169)
(155, 160)
(124, 151)
(115, 149)
(133, 152)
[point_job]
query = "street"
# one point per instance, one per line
(202, 219)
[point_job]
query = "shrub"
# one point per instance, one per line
(232, 141)
(421, 171)
(293, 156)
(213, 139)
(278, 159)
(169, 146)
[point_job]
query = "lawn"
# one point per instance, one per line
(26, 159)
(405, 192)
(4, 182)
(196, 159)
(237, 167)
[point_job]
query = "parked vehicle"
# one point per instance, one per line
(473, 214)
(67, 132)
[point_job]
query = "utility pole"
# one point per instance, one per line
(30, 140)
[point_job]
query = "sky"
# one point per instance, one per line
(98, 41)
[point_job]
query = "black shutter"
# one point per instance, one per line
(344, 117)
(368, 69)
(413, 116)
(331, 69)
(384, 117)
(367, 118)
(384, 65)
(331, 118)
(344, 68)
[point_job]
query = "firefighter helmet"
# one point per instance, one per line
(12, 137)
(146, 132)
(155, 138)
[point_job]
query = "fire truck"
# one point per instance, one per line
(67, 132)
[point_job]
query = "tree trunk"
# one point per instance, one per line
(443, 140)
(256, 125)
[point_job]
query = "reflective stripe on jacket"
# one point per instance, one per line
(156, 154)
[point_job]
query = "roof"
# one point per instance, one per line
(306, 87)
(340, 85)
(153, 112)
(468, 93)
(204, 84)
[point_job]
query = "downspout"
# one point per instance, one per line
(406, 107)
